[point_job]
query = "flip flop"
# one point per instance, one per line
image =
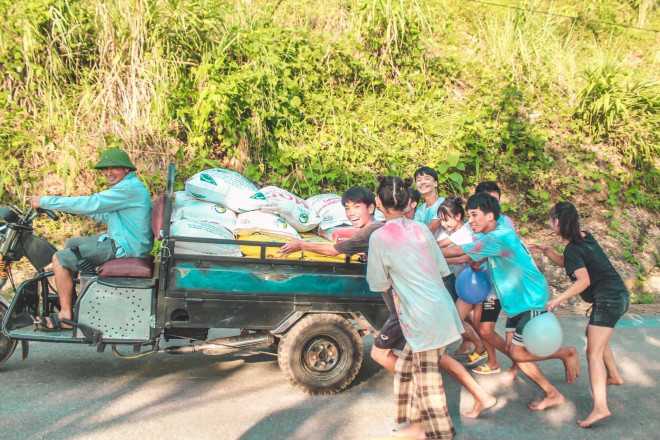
(475, 357)
(42, 324)
(485, 369)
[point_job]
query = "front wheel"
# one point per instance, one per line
(321, 354)
(7, 344)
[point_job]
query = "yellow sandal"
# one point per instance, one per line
(485, 369)
(475, 357)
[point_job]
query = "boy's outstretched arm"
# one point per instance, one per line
(458, 260)
(453, 251)
(296, 244)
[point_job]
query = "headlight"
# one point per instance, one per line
(9, 214)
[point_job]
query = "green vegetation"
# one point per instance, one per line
(319, 95)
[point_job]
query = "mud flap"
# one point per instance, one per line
(25, 349)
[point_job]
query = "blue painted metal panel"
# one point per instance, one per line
(247, 280)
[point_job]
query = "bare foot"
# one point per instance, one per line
(415, 430)
(480, 406)
(572, 365)
(593, 418)
(614, 380)
(552, 399)
(466, 347)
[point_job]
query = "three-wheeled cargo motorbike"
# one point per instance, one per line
(312, 312)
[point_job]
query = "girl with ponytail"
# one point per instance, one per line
(403, 255)
(596, 281)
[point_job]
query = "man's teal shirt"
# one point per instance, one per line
(125, 208)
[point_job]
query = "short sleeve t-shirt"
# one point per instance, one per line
(358, 243)
(462, 235)
(518, 283)
(504, 221)
(606, 283)
(425, 213)
(404, 255)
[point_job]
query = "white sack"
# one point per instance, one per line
(226, 188)
(197, 229)
(265, 223)
(329, 208)
(291, 208)
(188, 208)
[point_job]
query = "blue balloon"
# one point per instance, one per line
(472, 287)
(543, 335)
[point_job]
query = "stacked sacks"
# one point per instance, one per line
(186, 207)
(200, 229)
(261, 226)
(199, 219)
(222, 204)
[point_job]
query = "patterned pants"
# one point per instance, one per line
(419, 395)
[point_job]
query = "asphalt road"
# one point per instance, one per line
(70, 391)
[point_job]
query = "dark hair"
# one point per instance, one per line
(487, 187)
(427, 170)
(485, 202)
(451, 207)
(414, 195)
(393, 192)
(358, 194)
(569, 221)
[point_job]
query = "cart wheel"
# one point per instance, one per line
(7, 344)
(321, 354)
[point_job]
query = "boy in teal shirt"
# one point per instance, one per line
(520, 287)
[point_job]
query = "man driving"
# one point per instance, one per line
(125, 207)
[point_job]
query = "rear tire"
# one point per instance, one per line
(321, 354)
(7, 344)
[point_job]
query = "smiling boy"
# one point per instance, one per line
(520, 287)
(426, 180)
(360, 204)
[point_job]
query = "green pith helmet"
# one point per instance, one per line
(114, 157)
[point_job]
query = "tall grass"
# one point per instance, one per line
(303, 94)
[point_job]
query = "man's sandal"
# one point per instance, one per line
(42, 325)
(485, 369)
(475, 357)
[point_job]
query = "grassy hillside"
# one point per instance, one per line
(321, 95)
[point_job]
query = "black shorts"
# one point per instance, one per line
(491, 310)
(389, 301)
(607, 312)
(517, 323)
(450, 285)
(391, 335)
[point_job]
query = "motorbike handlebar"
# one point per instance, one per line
(48, 212)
